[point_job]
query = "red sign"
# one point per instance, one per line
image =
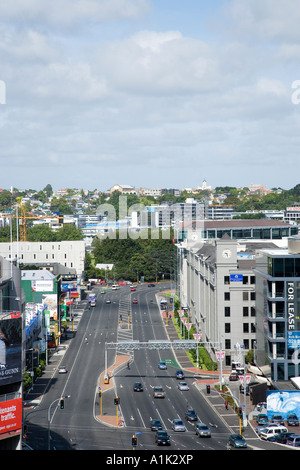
(10, 415)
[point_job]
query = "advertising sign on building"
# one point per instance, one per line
(236, 278)
(10, 350)
(44, 285)
(11, 415)
(293, 323)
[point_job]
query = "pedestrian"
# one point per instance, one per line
(226, 405)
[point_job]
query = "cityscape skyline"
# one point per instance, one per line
(144, 91)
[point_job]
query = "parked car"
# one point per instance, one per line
(62, 370)
(190, 415)
(178, 425)
(293, 441)
(271, 431)
(155, 425)
(179, 374)
(202, 430)
(138, 387)
(261, 429)
(236, 440)
(282, 437)
(262, 420)
(158, 392)
(162, 365)
(247, 389)
(162, 438)
(183, 386)
(278, 419)
(292, 420)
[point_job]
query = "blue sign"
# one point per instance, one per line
(236, 278)
(293, 339)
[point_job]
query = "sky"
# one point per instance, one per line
(149, 93)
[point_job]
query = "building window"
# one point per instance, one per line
(245, 328)
(253, 312)
(226, 295)
(227, 344)
(252, 295)
(227, 327)
(227, 311)
(245, 295)
(245, 311)
(226, 280)
(245, 279)
(252, 279)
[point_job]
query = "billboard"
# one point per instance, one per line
(283, 403)
(11, 415)
(293, 321)
(10, 349)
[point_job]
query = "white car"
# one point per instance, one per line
(183, 386)
(178, 425)
(62, 370)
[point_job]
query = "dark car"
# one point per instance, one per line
(151, 285)
(278, 419)
(236, 440)
(292, 420)
(162, 438)
(282, 437)
(293, 441)
(179, 374)
(233, 377)
(138, 387)
(155, 425)
(190, 415)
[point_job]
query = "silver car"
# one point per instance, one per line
(183, 386)
(202, 430)
(177, 425)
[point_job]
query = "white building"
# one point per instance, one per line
(70, 254)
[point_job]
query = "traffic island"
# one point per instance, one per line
(109, 411)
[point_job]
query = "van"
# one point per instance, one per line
(115, 287)
(271, 432)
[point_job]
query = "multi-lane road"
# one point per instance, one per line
(77, 426)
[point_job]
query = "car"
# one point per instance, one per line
(271, 431)
(162, 365)
(93, 303)
(237, 440)
(134, 301)
(293, 441)
(282, 437)
(178, 425)
(260, 429)
(108, 301)
(262, 420)
(151, 285)
(292, 420)
(247, 389)
(155, 425)
(179, 374)
(190, 415)
(162, 438)
(62, 370)
(183, 386)
(132, 289)
(138, 387)
(233, 376)
(202, 430)
(158, 392)
(278, 419)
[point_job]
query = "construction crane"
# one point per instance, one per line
(23, 218)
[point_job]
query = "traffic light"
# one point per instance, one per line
(62, 403)
(116, 400)
(208, 389)
(240, 412)
(134, 441)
